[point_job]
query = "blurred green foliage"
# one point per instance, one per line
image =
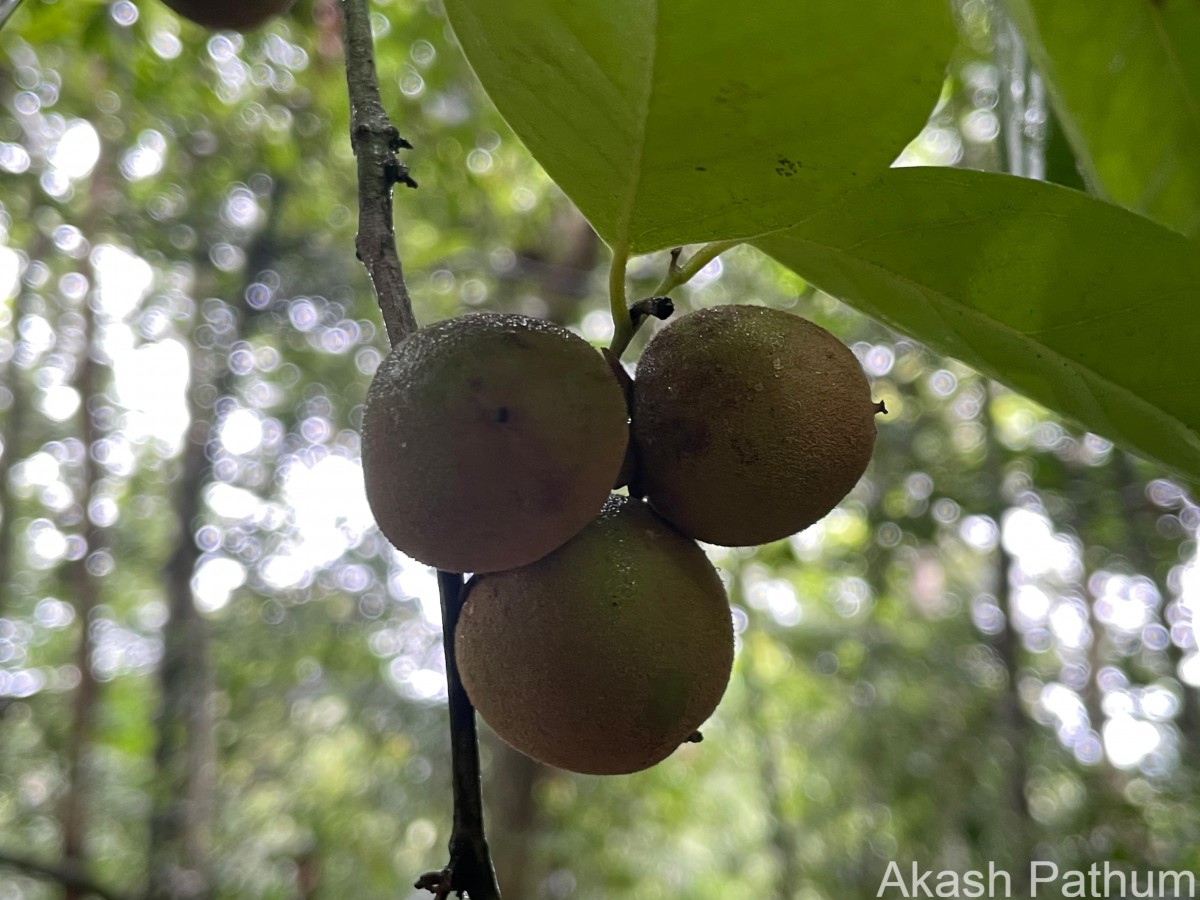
(985, 654)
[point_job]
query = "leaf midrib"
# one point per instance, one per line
(639, 147)
(1191, 101)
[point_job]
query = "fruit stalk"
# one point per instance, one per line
(681, 274)
(375, 141)
(470, 862)
(622, 322)
(627, 320)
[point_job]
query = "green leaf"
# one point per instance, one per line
(1082, 306)
(1125, 79)
(671, 122)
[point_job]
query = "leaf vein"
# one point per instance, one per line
(1086, 376)
(1111, 314)
(1164, 38)
(639, 148)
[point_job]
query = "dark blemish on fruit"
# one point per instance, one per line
(502, 414)
(689, 438)
(787, 168)
(515, 339)
(745, 451)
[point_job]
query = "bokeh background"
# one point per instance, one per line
(218, 680)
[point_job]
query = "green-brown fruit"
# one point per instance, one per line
(607, 654)
(749, 424)
(489, 440)
(236, 15)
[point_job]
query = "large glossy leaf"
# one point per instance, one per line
(1124, 76)
(677, 121)
(1081, 305)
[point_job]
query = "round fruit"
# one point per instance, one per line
(238, 15)
(749, 424)
(606, 655)
(489, 440)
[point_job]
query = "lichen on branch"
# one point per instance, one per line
(376, 141)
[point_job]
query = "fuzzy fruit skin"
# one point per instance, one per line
(750, 424)
(236, 15)
(489, 440)
(605, 655)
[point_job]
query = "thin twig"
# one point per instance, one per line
(375, 141)
(70, 876)
(7, 8)
(681, 274)
(626, 322)
(470, 868)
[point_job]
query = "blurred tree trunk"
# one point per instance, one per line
(515, 819)
(185, 754)
(784, 836)
(1137, 521)
(563, 264)
(1013, 725)
(87, 588)
(11, 440)
(1023, 151)
(185, 757)
(14, 429)
(1081, 493)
